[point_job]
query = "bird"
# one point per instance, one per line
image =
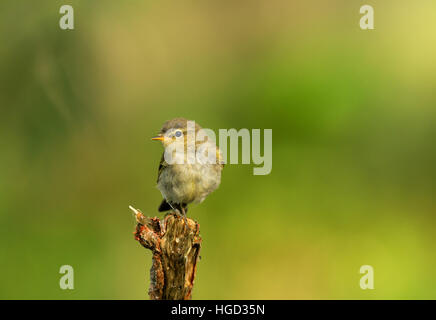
(184, 182)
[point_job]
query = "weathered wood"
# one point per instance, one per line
(175, 247)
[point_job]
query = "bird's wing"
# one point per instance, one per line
(162, 166)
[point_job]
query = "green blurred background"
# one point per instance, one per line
(353, 118)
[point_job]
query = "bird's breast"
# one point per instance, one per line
(186, 183)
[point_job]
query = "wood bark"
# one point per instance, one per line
(175, 246)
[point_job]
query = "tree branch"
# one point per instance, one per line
(176, 248)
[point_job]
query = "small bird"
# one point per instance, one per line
(187, 182)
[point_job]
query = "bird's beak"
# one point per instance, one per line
(159, 137)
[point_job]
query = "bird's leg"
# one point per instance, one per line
(179, 211)
(176, 210)
(184, 215)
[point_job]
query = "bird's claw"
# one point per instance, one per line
(181, 215)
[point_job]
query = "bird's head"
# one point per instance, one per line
(175, 130)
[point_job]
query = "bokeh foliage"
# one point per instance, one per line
(353, 119)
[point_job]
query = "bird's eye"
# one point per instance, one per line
(178, 134)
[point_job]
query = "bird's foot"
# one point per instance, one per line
(181, 215)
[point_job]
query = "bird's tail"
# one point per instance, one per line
(164, 206)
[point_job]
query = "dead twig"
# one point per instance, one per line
(175, 247)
